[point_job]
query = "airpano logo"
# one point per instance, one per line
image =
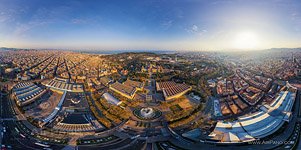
(270, 142)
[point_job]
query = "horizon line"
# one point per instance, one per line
(145, 50)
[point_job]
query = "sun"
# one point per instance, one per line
(246, 40)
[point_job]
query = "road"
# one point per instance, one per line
(12, 136)
(123, 144)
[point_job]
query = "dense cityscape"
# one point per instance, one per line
(142, 100)
(150, 74)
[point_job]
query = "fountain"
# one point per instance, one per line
(147, 113)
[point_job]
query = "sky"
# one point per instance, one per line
(150, 24)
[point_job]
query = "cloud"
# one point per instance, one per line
(296, 19)
(180, 14)
(41, 17)
(294, 16)
(194, 29)
(4, 18)
(79, 21)
(222, 2)
(167, 24)
(7, 15)
(21, 29)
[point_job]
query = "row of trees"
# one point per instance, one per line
(112, 112)
(107, 123)
(115, 110)
(186, 118)
(176, 115)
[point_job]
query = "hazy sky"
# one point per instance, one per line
(148, 24)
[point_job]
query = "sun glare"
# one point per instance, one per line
(246, 40)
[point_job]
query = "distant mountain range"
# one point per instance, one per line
(6, 48)
(125, 51)
(299, 48)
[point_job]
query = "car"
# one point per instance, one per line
(287, 147)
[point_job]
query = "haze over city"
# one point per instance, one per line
(149, 25)
(150, 74)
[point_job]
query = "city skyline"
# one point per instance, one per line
(150, 74)
(159, 25)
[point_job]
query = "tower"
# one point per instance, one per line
(293, 58)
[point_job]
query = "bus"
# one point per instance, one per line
(17, 129)
(23, 136)
(40, 144)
